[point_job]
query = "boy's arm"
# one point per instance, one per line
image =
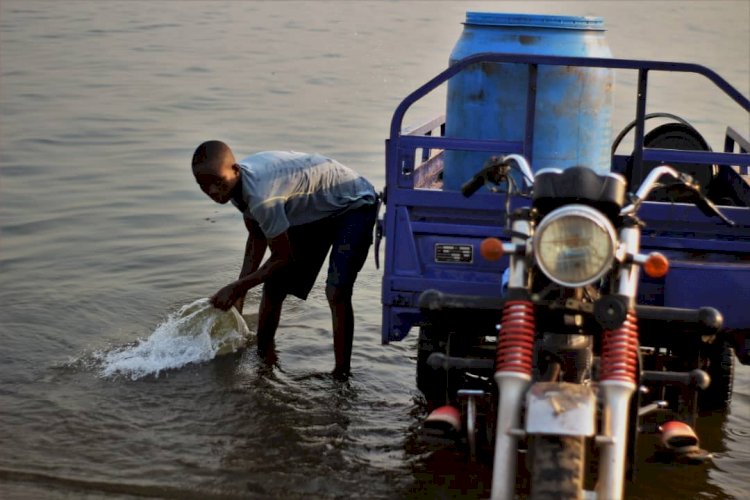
(255, 249)
(281, 256)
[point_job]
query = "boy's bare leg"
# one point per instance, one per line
(269, 314)
(342, 315)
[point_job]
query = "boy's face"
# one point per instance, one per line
(218, 180)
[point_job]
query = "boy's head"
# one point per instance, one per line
(215, 170)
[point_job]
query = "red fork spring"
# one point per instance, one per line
(515, 344)
(620, 351)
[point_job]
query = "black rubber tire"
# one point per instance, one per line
(557, 468)
(432, 383)
(718, 361)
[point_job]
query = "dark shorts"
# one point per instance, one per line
(348, 237)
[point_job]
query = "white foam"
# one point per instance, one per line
(196, 333)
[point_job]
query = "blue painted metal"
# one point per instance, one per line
(516, 102)
(701, 248)
(733, 137)
(494, 57)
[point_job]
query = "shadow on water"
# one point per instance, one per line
(247, 428)
(657, 472)
(291, 429)
(442, 469)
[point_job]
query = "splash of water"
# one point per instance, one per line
(197, 332)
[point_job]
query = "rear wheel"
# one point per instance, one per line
(718, 361)
(557, 467)
(431, 382)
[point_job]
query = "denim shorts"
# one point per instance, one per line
(347, 236)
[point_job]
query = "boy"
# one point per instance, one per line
(300, 206)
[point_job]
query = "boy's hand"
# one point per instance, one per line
(226, 297)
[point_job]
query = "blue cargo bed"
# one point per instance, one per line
(432, 236)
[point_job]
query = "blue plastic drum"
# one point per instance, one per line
(572, 125)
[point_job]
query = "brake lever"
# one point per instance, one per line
(709, 208)
(686, 182)
(702, 202)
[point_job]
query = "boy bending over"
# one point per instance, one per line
(299, 206)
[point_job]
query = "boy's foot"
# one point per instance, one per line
(341, 374)
(268, 355)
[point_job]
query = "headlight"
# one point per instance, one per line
(574, 245)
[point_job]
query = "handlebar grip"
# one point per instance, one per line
(472, 186)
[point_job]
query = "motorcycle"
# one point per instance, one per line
(564, 378)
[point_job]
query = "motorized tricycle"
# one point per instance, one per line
(539, 336)
(568, 331)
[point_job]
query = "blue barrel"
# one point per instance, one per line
(572, 124)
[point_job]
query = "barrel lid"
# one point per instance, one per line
(535, 20)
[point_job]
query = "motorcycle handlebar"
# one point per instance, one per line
(700, 200)
(496, 170)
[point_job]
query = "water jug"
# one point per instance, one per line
(573, 109)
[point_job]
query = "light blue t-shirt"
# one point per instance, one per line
(285, 188)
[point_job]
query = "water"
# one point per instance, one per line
(105, 234)
(197, 332)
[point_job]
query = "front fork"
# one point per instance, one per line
(618, 366)
(513, 363)
(618, 374)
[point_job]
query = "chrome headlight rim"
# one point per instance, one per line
(589, 214)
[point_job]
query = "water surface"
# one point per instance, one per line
(105, 233)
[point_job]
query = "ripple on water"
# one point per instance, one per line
(196, 333)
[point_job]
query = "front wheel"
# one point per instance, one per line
(557, 467)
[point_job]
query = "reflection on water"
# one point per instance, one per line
(104, 233)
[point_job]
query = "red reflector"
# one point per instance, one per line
(656, 265)
(491, 249)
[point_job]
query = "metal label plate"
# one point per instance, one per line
(451, 253)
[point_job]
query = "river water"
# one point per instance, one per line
(105, 235)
